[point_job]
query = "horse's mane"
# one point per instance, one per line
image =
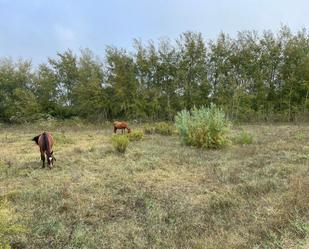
(36, 139)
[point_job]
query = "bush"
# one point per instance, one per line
(244, 138)
(164, 128)
(135, 135)
(206, 127)
(120, 142)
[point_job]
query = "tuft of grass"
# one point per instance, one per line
(120, 142)
(135, 135)
(223, 202)
(149, 129)
(243, 138)
(164, 128)
(254, 188)
(300, 136)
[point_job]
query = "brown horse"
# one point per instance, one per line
(45, 141)
(121, 126)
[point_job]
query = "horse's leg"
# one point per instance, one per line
(122, 131)
(115, 130)
(43, 159)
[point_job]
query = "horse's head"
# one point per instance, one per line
(51, 159)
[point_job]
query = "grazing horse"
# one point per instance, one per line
(45, 141)
(121, 126)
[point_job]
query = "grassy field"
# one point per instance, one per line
(160, 193)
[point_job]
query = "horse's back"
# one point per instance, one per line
(42, 143)
(117, 123)
(120, 125)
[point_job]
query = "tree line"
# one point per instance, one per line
(251, 77)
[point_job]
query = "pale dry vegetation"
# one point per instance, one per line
(159, 193)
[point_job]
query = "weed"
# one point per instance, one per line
(148, 129)
(135, 135)
(300, 136)
(164, 128)
(120, 142)
(243, 138)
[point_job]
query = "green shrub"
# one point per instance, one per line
(120, 142)
(243, 138)
(135, 135)
(206, 127)
(164, 128)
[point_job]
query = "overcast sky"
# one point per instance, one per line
(37, 29)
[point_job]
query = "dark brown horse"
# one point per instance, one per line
(45, 141)
(121, 126)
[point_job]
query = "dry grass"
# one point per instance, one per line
(160, 194)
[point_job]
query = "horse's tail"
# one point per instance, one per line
(36, 139)
(46, 142)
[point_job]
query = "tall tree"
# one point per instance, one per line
(89, 94)
(121, 75)
(166, 79)
(192, 73)
(17, 101)
(65, 68)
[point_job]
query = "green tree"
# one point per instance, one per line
(167, 79)
(17, 102)
(66, 71)
(121, 75)
(192, 73)
(47, 91)
(90, 98)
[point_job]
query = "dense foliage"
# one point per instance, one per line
(206, 127)
(251, 76)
